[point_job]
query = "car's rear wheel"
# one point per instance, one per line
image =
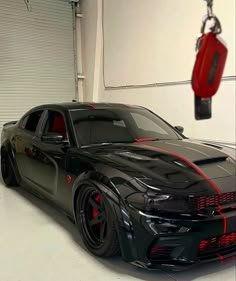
(8, 175)
(96, 222)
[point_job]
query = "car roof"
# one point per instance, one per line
(85, 105)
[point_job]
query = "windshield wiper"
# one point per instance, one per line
(165, 139)
(96, 144)
(105, 144)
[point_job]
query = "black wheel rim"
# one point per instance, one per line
(4, 165)
(93, 217)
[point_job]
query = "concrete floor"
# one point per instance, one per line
(38, 244)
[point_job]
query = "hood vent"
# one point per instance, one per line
(212, 145)
(210, 160)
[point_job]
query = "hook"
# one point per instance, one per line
(28, 5)
(209, 7)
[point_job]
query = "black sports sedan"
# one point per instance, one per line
(132, 183)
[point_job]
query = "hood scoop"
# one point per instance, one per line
(132, 155)
(210, 160)
(213, 145)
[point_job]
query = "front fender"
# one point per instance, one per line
(112, 195)
(121, 216)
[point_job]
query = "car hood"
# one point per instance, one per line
(171, 161)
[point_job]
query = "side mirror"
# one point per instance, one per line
(53, 138)
(180, 129)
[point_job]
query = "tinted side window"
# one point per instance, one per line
(56, 124)
(23, 122)
(31, 121)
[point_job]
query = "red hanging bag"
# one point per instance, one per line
(209, 65)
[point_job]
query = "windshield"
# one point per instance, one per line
(101, 126)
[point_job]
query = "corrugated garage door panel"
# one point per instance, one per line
(36, 55)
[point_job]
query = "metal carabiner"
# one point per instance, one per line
(216, 28)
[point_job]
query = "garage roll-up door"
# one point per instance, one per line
(37, 62)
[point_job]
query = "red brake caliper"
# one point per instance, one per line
(95, 211)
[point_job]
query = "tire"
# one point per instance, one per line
(8, 175)
(95, 219)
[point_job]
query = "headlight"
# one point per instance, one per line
(158, 202)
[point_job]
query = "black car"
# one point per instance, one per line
(133, 184)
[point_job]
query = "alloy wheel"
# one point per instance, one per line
(93, 217)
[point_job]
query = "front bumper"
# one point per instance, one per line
(181, 266)
(143, 242)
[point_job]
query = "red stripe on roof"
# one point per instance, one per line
(91, 105)
(143, 139)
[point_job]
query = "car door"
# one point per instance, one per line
(49, 170)
(22, 143)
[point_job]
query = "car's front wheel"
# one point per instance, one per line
(96, 222)
(8, 175)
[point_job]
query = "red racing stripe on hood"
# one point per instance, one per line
(187, 162)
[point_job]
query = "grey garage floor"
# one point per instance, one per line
(39, 244)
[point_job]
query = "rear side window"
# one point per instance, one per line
(31, 121)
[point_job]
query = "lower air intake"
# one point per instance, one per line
(161, 253)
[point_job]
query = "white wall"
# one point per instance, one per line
(174, 103)
(88, 34)
(147, 41)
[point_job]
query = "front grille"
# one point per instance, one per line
(204, 202)
(217, 243)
